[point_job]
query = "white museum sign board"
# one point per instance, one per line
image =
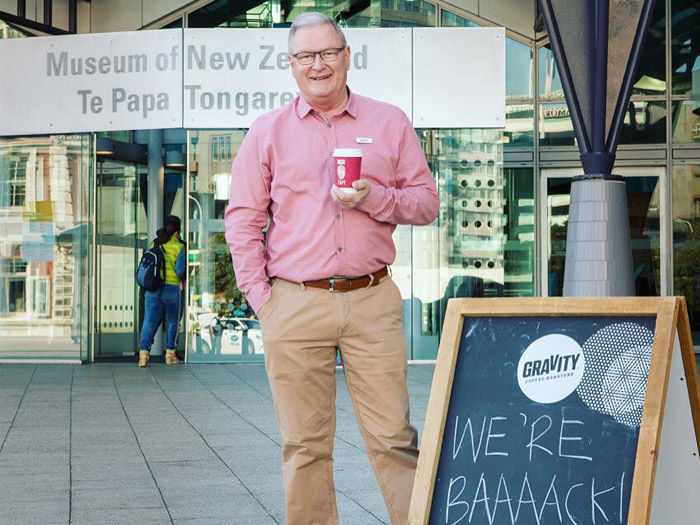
(100, 82)
(460, 77)
(225, 78)
(233, 76)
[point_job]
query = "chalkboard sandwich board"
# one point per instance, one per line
(562, 410)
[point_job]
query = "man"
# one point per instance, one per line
(326, 255)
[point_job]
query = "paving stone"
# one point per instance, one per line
(210, 441)
(150, 516)
(34, 511)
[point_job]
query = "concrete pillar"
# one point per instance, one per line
(154, 205)
(598, 246)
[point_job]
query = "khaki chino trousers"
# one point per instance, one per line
(302, 328)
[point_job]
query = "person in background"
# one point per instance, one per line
(321, 281)
(216, 330)
(167, 298)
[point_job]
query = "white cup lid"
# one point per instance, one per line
(347, 152)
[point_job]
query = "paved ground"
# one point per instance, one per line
(187, 445)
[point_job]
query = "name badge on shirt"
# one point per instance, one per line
(363, 140)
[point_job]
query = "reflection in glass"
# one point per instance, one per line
(220, 325)
(482, 244)
(363, 13)
(686, 121)
(650, 76)
(643, 204)
(121, 225)
(448, 19)
(44, 239)
(686, 240)
(519, 70)
(549, 81)
(644, 123)
(556, 128)
(519, 129)
(685, 47)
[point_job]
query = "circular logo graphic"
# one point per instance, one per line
(551, 368)
(341, 172)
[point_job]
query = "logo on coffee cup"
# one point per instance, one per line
(341, 172)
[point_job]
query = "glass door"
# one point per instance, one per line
(120, 219)
(646, 188)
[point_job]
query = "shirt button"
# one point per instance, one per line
(337, 216)
(340, 248)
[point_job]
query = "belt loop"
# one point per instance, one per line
(391, 274)
(371, 280)
(302, 286)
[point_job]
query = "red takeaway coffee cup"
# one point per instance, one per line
(346, 164)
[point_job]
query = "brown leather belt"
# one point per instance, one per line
(347, 284)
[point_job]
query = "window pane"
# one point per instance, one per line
(448, 19)
(650, 76)
(644, 123)
(482, 244)
(213, 289)
(686, 121)
(556, 128)
(44, 237)
(685, 47)
(549, 81)
(520, 123)
(519, 70)
(686, 240)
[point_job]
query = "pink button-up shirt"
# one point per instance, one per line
(284, 169)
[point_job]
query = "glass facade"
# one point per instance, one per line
(45, 239)
(643, 197)
(500, 231)
(686, 240)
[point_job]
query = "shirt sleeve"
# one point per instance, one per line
(414, 199)
(245, 217)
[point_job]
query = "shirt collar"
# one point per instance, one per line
(304, 108)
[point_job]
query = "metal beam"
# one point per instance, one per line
(31, 24)
(73, 16)
(22, 8)
(48, 12)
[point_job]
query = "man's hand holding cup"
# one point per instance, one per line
(349, 200)
(348, 190)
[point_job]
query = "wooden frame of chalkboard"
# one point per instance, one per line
(671, 324)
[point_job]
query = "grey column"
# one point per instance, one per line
(154, 206)
(598, 247)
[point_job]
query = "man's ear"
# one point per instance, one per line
(291, 66)
(347, 57)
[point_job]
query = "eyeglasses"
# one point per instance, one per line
(327, 55)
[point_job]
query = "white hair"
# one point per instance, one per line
(313, 19)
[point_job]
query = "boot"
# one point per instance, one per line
(143, 358)
(171, 358)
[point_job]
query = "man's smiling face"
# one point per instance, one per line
(322, 84)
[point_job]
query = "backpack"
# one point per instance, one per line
(150, 275)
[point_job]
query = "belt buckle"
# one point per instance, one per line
(331, 284)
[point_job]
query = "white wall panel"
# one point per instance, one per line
(459, 77)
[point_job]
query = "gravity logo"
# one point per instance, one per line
(551, 368)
